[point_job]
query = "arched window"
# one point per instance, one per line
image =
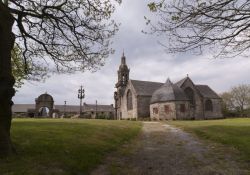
(208, 105)
(190, 95)
(129, 100)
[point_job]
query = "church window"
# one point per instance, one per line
(190, 95)
(155, 110)
(129, 100)
(167, 109)
(208, 105)
(182, 108)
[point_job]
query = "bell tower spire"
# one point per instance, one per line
(123, 73)
(123, 60)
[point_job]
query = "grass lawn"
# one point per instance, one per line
(232, 132)
(64, 146)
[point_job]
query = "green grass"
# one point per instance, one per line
(64, 147)
(231, 132)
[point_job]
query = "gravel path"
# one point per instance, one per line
(165, 150)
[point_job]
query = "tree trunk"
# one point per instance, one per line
(6, 79)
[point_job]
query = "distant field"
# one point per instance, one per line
(232, 132)
(64, 146)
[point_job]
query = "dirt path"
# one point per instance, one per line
(164, 150)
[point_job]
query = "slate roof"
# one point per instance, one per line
(22, 107)
(69, 108)
(168, 92)
(92, 107)
(145, 88)
(206, 91)
(179, 83)
(86, 107)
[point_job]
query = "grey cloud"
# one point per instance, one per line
(146, 59)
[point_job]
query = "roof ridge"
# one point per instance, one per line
(181, 81)
(147, 81)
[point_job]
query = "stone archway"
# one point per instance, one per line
(44, 101)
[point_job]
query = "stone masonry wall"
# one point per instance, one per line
(143, 103)
(216, 113)
(174, 111)
(162, 115)
(131, 113)
(197, 113)
(182, 115)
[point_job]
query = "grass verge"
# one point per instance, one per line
(65, 147)
(232, 132)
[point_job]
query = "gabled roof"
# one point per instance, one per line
(180, 83)
(145, 88)
(206, 91)
(168, 92)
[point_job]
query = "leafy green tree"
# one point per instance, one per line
(220, 27)
(18, 67)
(25, 71)
(56, 35)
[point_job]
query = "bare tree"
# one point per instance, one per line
(60, 35)
(237, 99)
(241, 96)
(227, 99)
(221, 27)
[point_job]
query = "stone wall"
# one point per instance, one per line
(182, 115)
(161, 114)
(197, 111)
(174, 111)
(216, 113)
(143, 103)
(131, 114)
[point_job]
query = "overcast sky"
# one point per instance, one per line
(146, 59)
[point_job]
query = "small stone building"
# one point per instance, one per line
(135, 99)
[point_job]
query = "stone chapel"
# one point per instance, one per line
(136, 99)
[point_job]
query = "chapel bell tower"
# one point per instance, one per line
(123, 77)
(123, 73)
